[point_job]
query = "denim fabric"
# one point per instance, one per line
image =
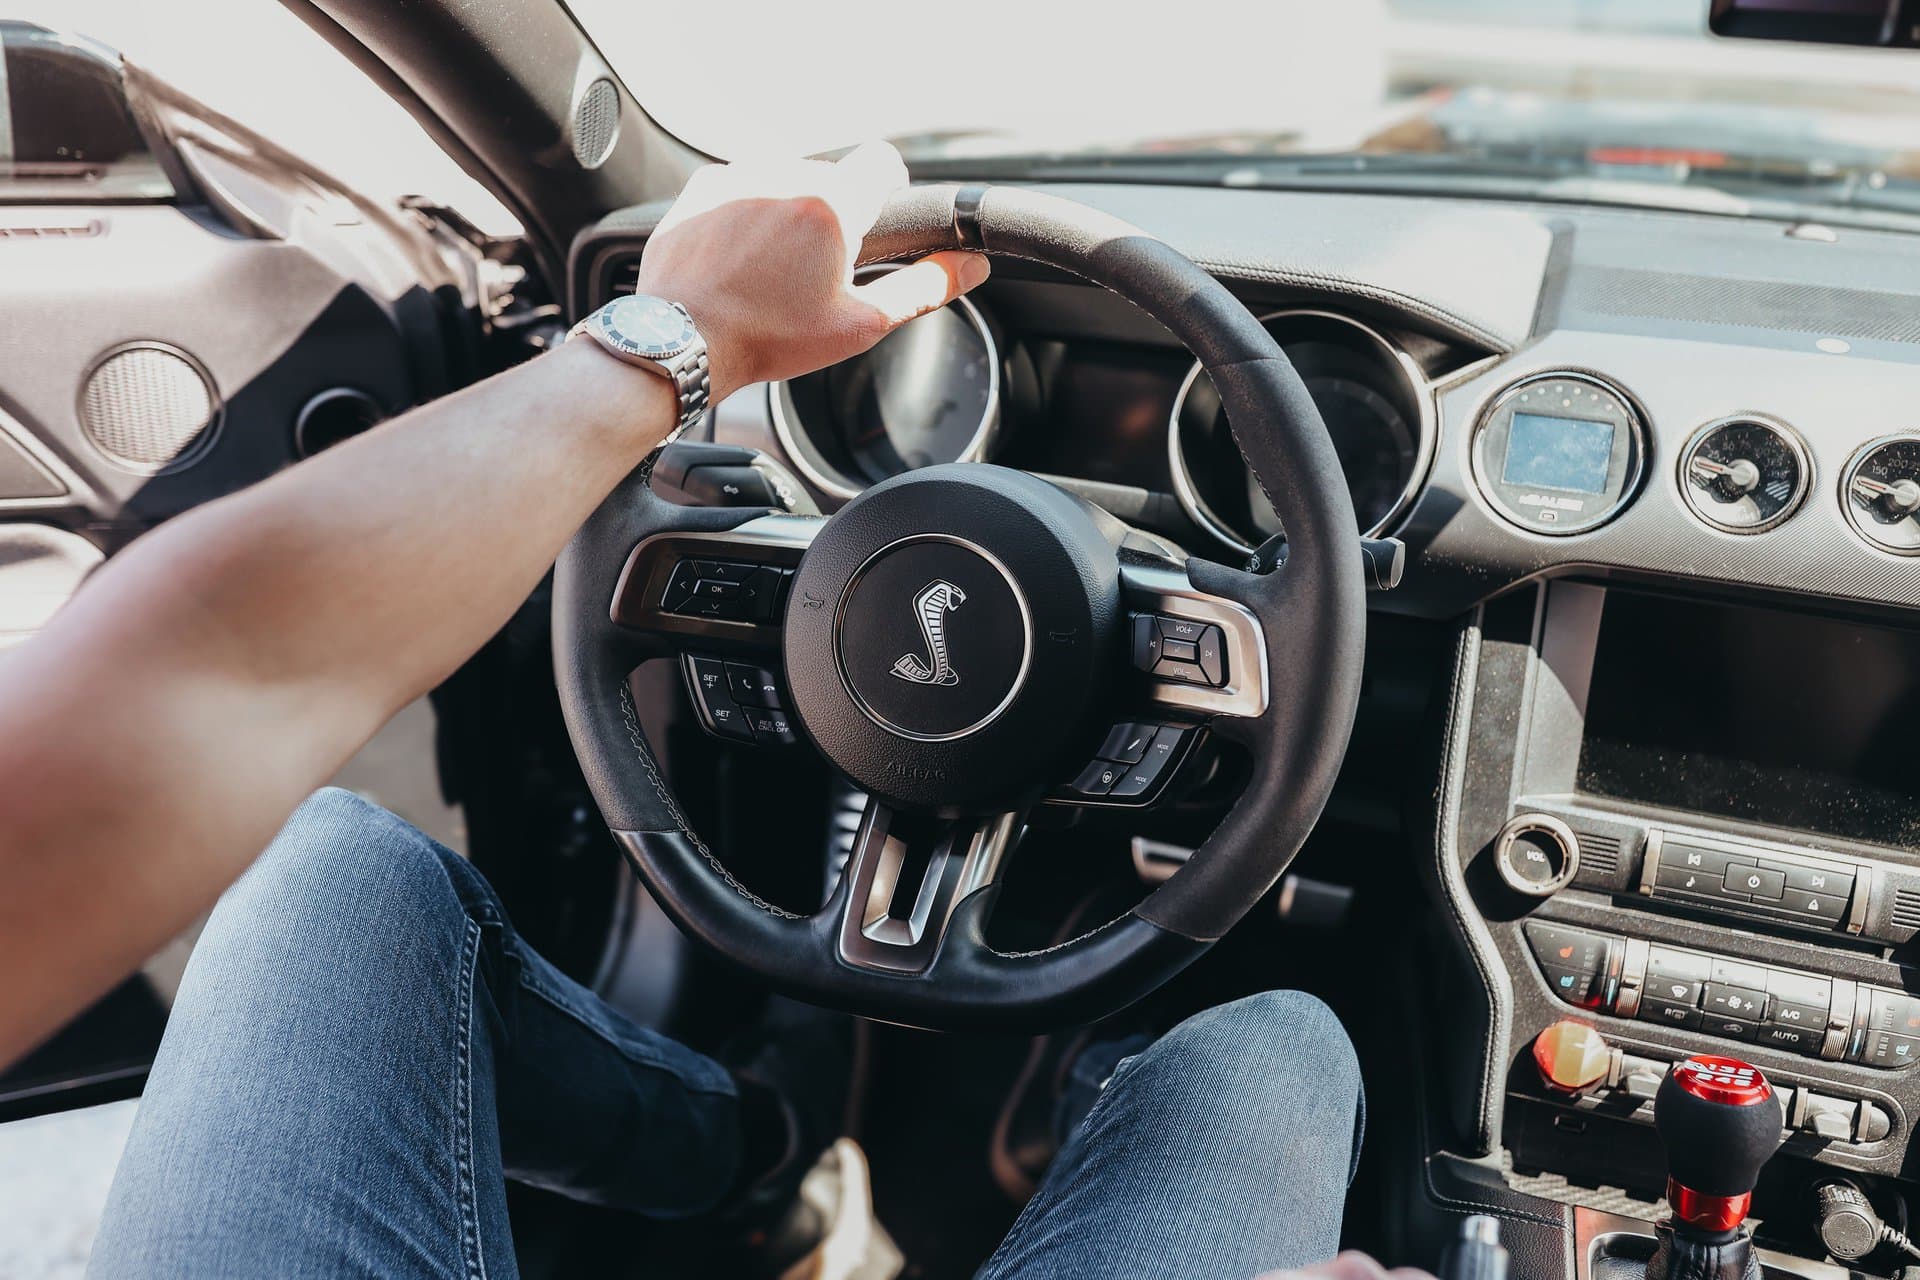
(1222, 1150)
(363, 1050)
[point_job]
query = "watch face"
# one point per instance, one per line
(649, 327)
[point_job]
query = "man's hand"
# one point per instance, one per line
(166, 722)
(762, 255)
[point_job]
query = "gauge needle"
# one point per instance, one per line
(1901, 498)
(1740, 475)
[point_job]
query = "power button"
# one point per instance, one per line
(1536, 854)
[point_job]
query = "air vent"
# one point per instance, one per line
(54, 231)
(149, 407)
(596, 123)
(1906, 909)
(1599, 855)
(334, 416)
(623, 278)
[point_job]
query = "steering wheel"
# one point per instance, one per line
(960, 642)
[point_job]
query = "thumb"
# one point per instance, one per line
(927, 285)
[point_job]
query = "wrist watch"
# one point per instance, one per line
(658, 335)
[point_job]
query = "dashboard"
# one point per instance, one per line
(1659, 472)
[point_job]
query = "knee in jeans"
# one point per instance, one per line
(1277, 1044)
(340, 855)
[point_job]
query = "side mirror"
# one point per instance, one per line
(1888, 24)
(68, 130)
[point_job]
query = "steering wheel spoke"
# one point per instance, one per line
(724, 588)
(1203, 655)
(906, 875)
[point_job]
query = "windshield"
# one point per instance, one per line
(1626, 101)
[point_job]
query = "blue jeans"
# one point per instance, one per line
(363, 1050)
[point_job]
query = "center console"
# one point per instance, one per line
(1692, 825)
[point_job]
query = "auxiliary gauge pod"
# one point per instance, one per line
(1719, 1121)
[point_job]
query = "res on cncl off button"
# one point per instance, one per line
(1536, 854)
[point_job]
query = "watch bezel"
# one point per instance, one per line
(604, 327)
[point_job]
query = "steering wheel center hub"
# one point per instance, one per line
(934, 638)
(947, 634)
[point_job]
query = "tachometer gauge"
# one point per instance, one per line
(1881, 493)
(1744, 474)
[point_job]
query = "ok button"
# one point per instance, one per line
(1755, 882)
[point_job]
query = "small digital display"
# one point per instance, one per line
(1558, 453)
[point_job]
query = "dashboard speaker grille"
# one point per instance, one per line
(596, 124)
(1906, 909)
(149, 408)
(1762, 304)
(1598, 853)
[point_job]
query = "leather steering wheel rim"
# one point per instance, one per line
(1312, 615)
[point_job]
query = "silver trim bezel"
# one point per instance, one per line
(787, 429)
(1426, 409)
(1545, 822)
(1795, 445)
(1637, 423)
(1852, 469)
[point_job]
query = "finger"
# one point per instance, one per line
(864, 178)
(927, 285)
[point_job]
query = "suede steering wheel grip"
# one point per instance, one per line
(1312, 614)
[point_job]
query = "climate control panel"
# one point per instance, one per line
(1812, 1014)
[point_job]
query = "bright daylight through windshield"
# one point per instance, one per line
(1625, 101)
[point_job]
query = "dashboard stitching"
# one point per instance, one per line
(1354, 288)
(632, 719)
(1466, 671)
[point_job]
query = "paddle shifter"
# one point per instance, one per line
(1719, 1121)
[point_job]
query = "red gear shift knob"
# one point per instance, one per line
(1720, 1122)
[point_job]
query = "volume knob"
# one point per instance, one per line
(1537, 854)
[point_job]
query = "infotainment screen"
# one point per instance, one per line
(1546, 452)
(1773, 717)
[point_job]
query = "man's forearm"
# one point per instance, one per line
(262, 639)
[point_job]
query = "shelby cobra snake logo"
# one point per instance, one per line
(931, 607)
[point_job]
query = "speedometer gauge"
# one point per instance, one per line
(1744, 474)
(927, 393)
(1372, 398)
(916, 399)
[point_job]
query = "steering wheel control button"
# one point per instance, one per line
(1126, 743)
(1536, 854)
(1098, 778)
(739, 702)
(1143, 779)
(1571, 1056)
(753, 686)
(727, 590)
(770, 727)
(1179, 649)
